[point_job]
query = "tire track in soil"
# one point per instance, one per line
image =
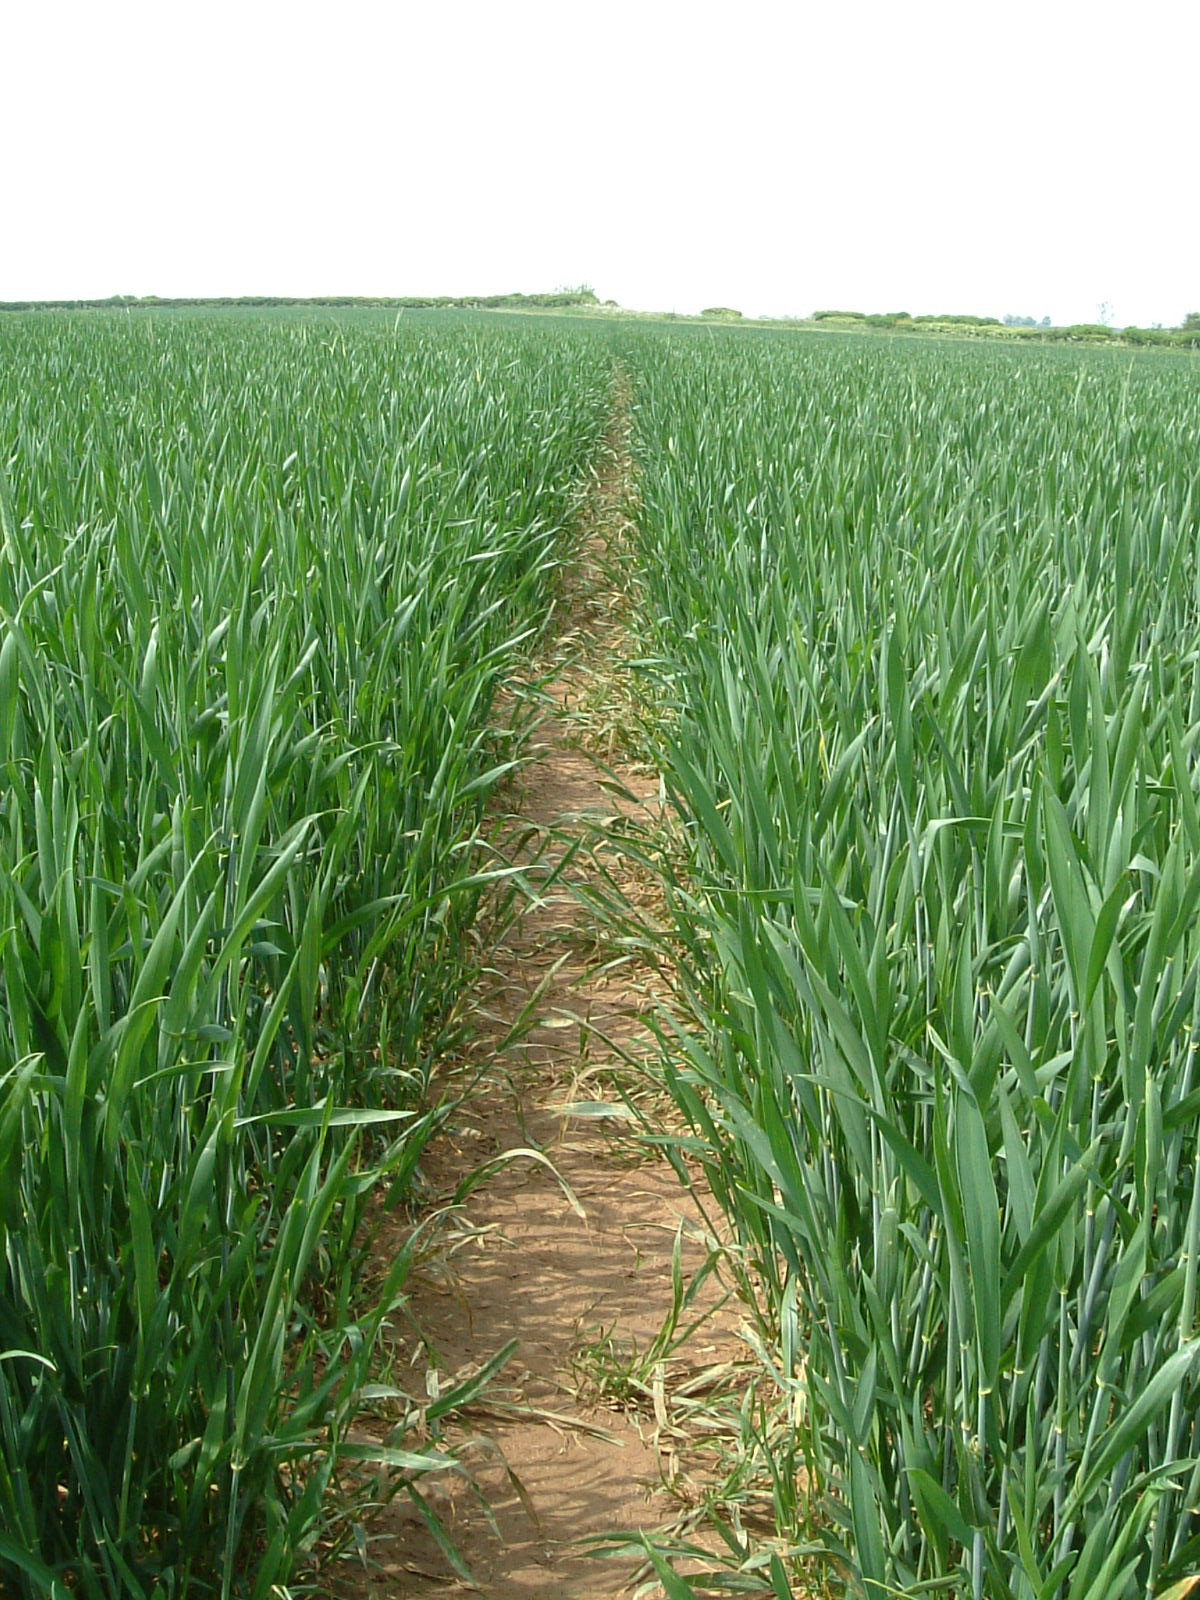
(530, 1269)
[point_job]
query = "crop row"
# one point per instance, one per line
(927, 630)
(259, 585)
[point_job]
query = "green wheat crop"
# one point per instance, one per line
(259, 584)
(927, 622)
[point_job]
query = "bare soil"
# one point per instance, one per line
(555, 1460)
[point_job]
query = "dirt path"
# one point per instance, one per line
(554, 1466)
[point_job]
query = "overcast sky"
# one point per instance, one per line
(1036, 159)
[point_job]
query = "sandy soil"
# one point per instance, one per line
(552, 1465)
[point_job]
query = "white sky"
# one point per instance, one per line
(1035, 158)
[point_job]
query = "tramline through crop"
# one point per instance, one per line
(921, 668)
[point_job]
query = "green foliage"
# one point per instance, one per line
(1014, 328)
(259, 585)
(580, 296)
(926, 621)
(1091, 332)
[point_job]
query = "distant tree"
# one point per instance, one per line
(1045, 323)
(727, 312)
(1191, 322)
